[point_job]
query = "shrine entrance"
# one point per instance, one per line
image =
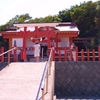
(44, 49)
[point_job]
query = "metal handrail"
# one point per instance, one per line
(45, 72)
(46, 68)
(8, 51)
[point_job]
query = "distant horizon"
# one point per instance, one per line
(35, 8)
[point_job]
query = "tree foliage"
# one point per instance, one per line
(17, 19)
(46, 19)
(65, 15)
(97, 21)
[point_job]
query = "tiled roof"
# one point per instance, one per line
(58, 27)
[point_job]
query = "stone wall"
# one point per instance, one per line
(77, 78)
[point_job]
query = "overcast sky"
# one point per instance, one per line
(36, 8)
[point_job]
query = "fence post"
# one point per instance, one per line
(88, 55)
(93, 55)
(59, 55)
(82, 55)
(53, 54)
(15, 54)
(70, 55)
(99, 53)
(8, 58)
(42, 94)
(23, 55)
(47, 82)
(2, 57)
(76, 53)
(65, 54)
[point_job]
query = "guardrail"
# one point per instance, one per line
(65, 54)
(8, 53)
(45, 76)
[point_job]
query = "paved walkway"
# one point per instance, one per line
(20, 81)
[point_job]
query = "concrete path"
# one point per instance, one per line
(41, 59)
(20, 81)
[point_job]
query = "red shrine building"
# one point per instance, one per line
(24, 34)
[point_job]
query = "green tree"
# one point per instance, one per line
(3, 27)
(47, 19)
(84, 16)
(24, 18)
(97, 21)
(65, 15)
(17, 19)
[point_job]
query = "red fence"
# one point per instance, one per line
(66, 54)
(2, 57)
(2, 53)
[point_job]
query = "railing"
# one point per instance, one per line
(9, 54)
(45, 76)
(82, 55)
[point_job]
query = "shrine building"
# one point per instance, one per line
(59, 34)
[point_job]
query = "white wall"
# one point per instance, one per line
(64, 42)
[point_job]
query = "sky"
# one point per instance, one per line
(35, 8)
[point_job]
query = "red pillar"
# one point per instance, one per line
(65, 56)
(88, 55)
(70, 55)
(2, 57)
(53, 54)
(15, 54)
(59, 55)
(93, 55)
(57, 42)
(82, 55)
(99, 53)
(48, 36)
(76, 53)
(24, 38)
(36, 30)
(23, 52)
